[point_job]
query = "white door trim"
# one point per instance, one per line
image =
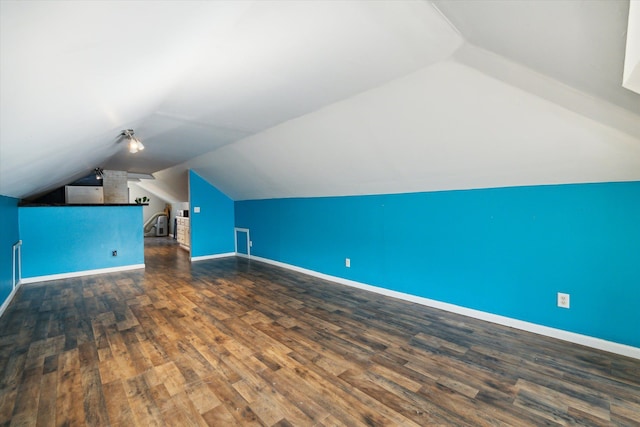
(235, 240)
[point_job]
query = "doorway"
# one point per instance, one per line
(242, 242)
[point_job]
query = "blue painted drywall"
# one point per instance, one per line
(9, 235)
(506, 251)
(242, 246)
(212, 227)
(68, 239)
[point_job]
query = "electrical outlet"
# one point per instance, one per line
(114, 253)
(347, 262)
(563, 300)
(250, 243)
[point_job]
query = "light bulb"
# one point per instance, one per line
(133, 146)
(139, 145)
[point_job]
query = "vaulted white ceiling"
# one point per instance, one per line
(293, 99)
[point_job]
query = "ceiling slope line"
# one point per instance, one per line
(548, 88)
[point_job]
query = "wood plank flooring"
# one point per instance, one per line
(231, 342)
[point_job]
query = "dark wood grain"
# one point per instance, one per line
(237, 342)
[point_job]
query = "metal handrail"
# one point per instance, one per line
(17, 247)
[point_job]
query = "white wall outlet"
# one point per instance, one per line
(250, 243)
(563, 300)
(347, 262)
(196, 209)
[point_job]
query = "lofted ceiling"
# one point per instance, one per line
(272, 99)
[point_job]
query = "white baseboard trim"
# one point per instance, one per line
(597, 343)
(80, 273)
(7, 301)
(204, 257)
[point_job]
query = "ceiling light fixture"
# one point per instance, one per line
(99, 172)
(134, 143)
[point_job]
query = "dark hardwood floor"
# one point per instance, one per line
(232, 342)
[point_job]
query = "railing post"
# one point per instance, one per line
(17, 247)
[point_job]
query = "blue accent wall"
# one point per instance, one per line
(505, 251)
(212, 227)
(9, 235)
(57, 240)
(242, 246)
